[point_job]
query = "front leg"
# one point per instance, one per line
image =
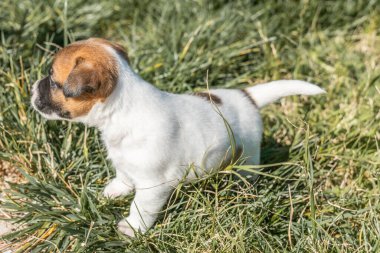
(119, 186)
(148, 202)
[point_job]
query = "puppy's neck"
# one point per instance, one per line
(131, 93)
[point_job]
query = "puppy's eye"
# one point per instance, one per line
(51, 71)
(53, 84)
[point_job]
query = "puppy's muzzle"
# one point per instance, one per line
(41, 98)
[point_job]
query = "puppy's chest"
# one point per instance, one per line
(125, 150)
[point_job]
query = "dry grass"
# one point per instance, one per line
(9, 174)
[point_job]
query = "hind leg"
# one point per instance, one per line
(253, 158)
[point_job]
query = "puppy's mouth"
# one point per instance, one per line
(42, 102)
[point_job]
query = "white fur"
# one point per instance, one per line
(156, 139)
(264, 94)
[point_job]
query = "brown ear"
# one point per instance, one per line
(83, 78)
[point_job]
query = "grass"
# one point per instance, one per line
(319, 190)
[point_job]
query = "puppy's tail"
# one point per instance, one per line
(266, 93)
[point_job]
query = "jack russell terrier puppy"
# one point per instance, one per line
(154, 139)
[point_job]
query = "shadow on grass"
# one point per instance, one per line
(273, 151)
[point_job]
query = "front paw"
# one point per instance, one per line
(117, 188)
(126, 228)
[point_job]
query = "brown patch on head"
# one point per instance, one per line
(85, 72)
(209, 96)
(117, 47)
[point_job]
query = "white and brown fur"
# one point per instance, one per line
(154, 139)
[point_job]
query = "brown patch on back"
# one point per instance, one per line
(208, 96)
(246, 94)
(86, 73)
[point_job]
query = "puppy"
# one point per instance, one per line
(154, 139)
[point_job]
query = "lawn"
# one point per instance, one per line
(319, 186)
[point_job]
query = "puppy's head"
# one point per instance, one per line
(82, 74)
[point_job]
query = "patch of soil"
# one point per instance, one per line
(8, 173)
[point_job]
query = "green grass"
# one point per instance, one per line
(321, 189)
